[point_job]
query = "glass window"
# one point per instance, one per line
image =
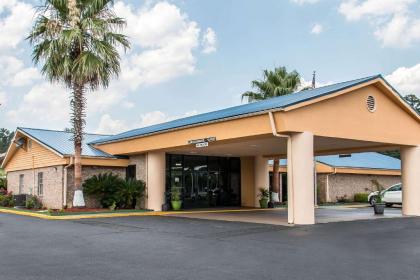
(395, 188)
(40, 183)
(130, 172)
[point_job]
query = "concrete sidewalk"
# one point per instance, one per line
(278, 216)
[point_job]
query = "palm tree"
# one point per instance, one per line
(274, 83)
(76, 41)
(414, 101)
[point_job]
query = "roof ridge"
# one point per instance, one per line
(62, 131)
(349, 81)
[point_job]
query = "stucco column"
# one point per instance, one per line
(300, 172)
(155, 180)
(410, 169)
(261, 177)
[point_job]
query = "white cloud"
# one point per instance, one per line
(107, 125)
(303, 2)
(25, 76)
(167, 39)
(128, 104)
(317, 29)
(393, 22)
(406, 80)
(14, 72)
(209, 41)
(3, 99)
(102, 100)
(165, 43)
(156, 117)
(14, 26)
(44, 104)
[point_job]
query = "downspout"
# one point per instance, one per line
(290, 195)
(64, 187)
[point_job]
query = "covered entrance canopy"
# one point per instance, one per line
(360, 115)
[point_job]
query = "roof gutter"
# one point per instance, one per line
(291, 215)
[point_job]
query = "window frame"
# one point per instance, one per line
(40, 184)
(21, 183)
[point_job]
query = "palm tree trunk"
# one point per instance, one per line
(276, 180)
(77, 166)
(78, 104)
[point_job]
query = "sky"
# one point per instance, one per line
(194, 56)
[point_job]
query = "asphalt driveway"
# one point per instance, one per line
(182, 248)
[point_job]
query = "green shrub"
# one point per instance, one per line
(131, 190)
(361, 197)
(104, 187)
(6, 200)
(113, 191)
(3, 184)
(32, 202)
(176, 194)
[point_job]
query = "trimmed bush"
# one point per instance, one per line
(361, 197)
(32, 202)
(112, 191)
(6, 200)
(131, 191)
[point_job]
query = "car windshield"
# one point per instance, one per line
(395, 188)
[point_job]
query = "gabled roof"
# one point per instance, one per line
(278, 103)
(61, 142)
(369, 160)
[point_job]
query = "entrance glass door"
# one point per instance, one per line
(204, 181)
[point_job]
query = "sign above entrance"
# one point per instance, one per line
(202, 140)
(202, 145)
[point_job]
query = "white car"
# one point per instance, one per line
(390, 196)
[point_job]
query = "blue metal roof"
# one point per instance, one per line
(61, 141)
(362, 160)
(269, 104)
(370, 160)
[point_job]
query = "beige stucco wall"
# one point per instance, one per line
(155, 183)
(87, 172)
(53, 184)
(350, 184)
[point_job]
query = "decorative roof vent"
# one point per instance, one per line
(371, 103)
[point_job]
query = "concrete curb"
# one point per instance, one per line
(131, 214)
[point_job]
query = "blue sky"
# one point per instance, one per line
(195, 56)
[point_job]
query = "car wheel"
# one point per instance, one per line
(372, 200)
(388, 204)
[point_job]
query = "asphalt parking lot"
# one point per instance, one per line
(184, 248)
